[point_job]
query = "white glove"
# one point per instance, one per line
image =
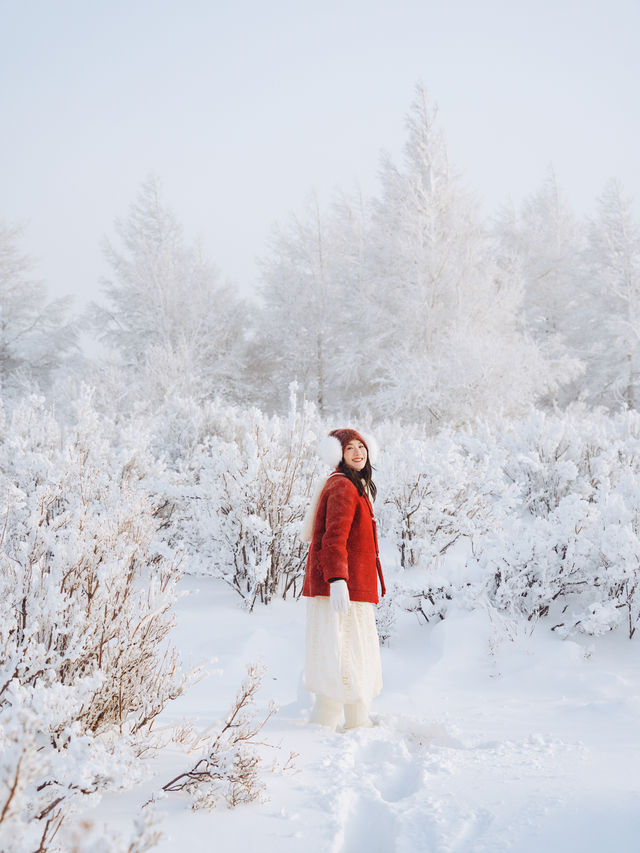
(340, 596)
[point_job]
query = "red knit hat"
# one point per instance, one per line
(344, 436)
(331, 448)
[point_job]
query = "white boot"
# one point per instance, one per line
(356, 715)
(326, 712)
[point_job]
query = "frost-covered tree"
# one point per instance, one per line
(295, 326)
(612, 269)
(355, 315)
(544, 241)
(36, 335)
(318, 305)
(448, 341)
(398, 307)
(314, 309)
(176, 327)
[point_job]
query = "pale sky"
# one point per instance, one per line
(243, 108)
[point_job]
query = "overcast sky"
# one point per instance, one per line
(242, 107)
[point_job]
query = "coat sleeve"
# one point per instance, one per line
(342, 502)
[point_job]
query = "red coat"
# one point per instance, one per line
(344, 543)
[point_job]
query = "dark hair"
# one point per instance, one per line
(361, 479)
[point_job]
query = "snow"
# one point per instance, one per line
(482, 741)
(492, 733)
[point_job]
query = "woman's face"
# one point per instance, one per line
(355, 455)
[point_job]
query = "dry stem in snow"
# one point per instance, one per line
(231, 767)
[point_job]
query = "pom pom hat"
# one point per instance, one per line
(331, 448)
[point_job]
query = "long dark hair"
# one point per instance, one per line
(361, 479)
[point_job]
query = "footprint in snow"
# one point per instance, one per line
(382, 792)
(391, 769)
(367, 818)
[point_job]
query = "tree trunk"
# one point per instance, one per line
(320, 374)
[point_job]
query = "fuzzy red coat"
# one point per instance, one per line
(344, 543)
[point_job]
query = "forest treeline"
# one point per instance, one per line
(407, 305)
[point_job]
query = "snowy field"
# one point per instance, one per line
(481, 742)
(493, 352)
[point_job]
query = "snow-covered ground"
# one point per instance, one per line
(481, 742)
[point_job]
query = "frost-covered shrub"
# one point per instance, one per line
(85, 662)
(231, 765)
(580, 565)
(531, 563)
(568, 548)
(547, 458)
(548, 506)
(241, 497)
(430, 604)
(614, 599)
(433, 493)
(182, 425)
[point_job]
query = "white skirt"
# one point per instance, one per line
(343, 651)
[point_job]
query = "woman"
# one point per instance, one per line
(341, 584)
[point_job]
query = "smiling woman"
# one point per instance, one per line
(341, 583)
(355, 455)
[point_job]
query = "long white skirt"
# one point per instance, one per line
(343, 651)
